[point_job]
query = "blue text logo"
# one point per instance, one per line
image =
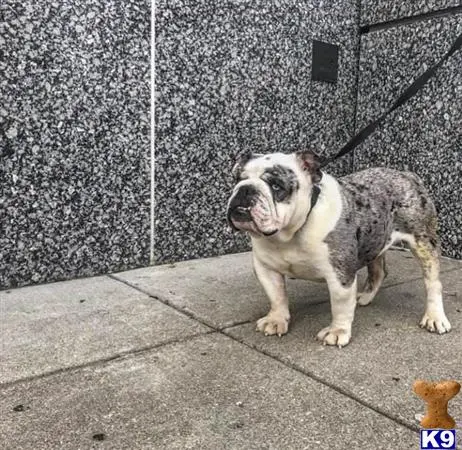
(437, 439)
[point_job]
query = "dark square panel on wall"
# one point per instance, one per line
(324, 62)
(74, 140)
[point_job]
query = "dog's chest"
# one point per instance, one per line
(309, 262)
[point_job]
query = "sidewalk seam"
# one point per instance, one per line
(101, 361)
(328, 384)
(184, 311)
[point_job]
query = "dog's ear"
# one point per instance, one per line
(241, 161)
(310, 162)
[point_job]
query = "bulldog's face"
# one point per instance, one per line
(272, 192)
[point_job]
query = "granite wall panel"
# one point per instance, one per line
(234, 76)
(425, 134)
(74, 138)
(375, 11)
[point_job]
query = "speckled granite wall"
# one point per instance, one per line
(374, 11)
(74, 138)
(425, 135)
(236, 75)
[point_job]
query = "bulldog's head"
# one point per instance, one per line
(272, 192)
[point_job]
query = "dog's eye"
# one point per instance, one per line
(275, 187)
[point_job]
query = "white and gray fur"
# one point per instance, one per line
(353, 222)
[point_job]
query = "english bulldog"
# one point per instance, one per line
(306, 224)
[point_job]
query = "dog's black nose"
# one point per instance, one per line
(245, 196)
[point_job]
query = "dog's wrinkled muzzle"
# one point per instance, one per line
(249, 211)
(240, 204)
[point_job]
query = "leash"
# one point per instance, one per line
(403, 98)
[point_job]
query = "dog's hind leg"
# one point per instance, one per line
(425, 249)
(376, 273)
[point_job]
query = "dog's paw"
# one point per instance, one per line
(273, 323)
(334, 336)
(365, 298)
(435, 322)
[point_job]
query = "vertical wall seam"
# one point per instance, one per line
(358, 58)
(152, 256)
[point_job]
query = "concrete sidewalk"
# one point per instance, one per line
(168, 358)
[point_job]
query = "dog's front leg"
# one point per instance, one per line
(343, 303)
(274, 284)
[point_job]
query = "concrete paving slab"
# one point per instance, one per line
(388, 351)
(209, 393)
(223, 291)
(63, 324)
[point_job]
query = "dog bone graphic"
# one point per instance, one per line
(437, 396)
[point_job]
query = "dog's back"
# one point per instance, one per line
(390, 187)
(382, 206)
